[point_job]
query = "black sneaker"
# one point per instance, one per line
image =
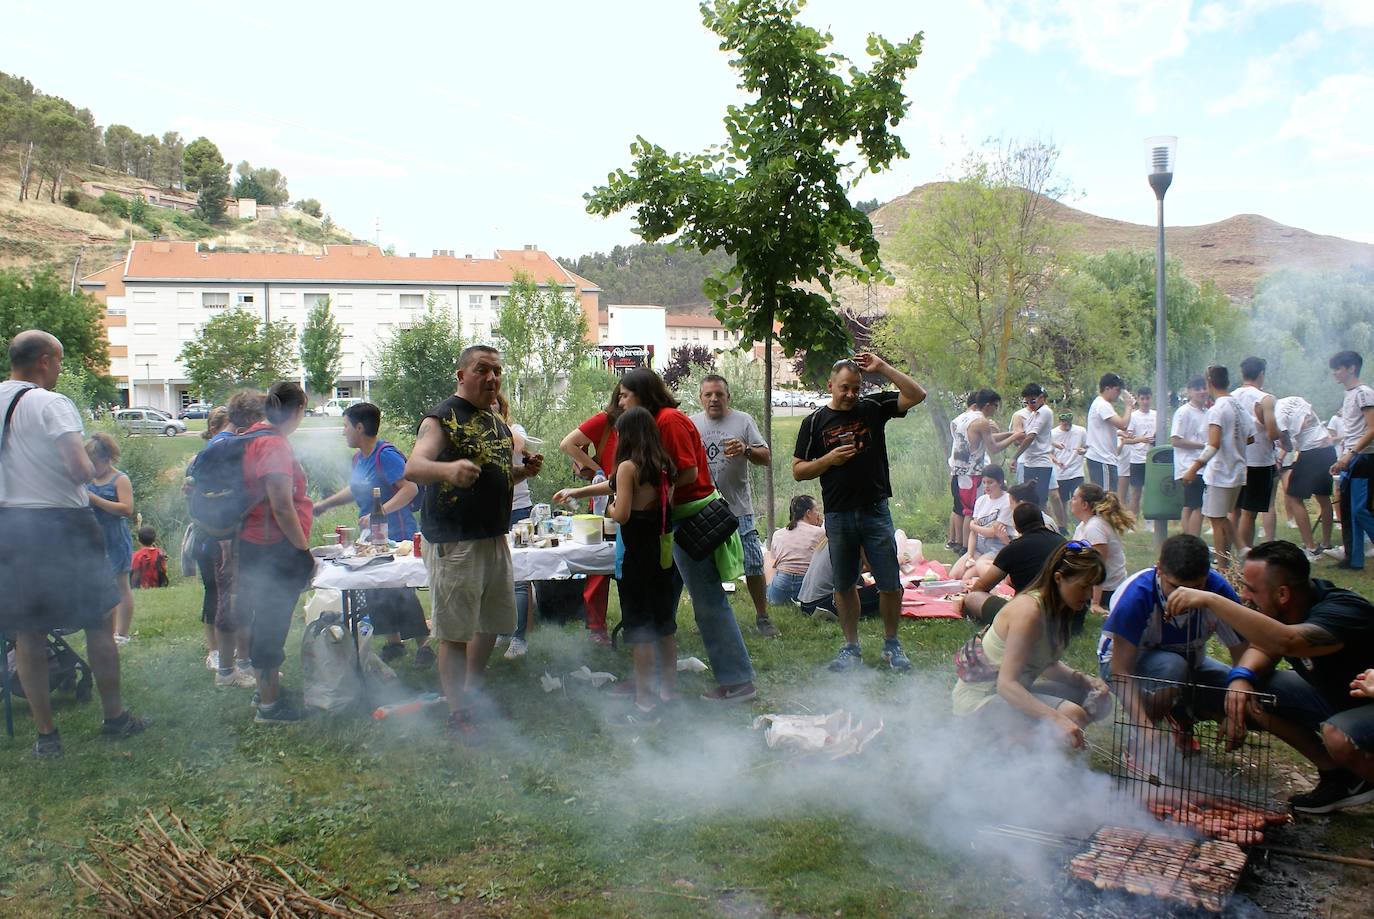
(392, 650)
(424, 657)
(126, 725)
(279, 712)
(766, 628)
(1336, 790)
(48, 746)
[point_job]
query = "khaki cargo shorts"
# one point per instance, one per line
(472, 588)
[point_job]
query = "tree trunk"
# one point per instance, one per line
(25, 169)
(1005, 344)
(939, 417)
(770, 517)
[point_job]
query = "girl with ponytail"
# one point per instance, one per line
(1101, 521)
(791, 548)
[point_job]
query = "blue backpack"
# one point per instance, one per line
(387, 488)
(217, 498)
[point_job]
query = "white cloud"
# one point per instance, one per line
(263, 144)
(1121, 37)
(1333, 119)
(1265, 76)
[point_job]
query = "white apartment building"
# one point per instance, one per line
(674, 330)
(163, 292)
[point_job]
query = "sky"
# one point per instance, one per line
(474, 127)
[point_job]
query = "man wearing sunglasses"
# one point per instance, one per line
(1142, 653)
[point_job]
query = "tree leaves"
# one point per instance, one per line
(321, 349)
(236, 348)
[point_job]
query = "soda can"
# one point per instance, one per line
(416, 538)
(340, 532)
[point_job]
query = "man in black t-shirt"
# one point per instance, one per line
(843, 445)
(1020, 561)
(1326, 634)
(464, 454)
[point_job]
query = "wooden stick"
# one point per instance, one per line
(1318, 856)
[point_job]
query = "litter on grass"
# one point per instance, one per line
(691, 665)
(550, 683)
(835, 735)
(597, 678)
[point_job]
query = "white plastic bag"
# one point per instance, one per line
(323, 600)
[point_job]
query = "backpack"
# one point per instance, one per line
(416, 502)
(217, 497)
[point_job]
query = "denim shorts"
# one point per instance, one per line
(753, 549)
(784, 588)
(869, 529)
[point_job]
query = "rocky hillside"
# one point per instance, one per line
(38, 233)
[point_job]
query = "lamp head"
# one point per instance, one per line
(1161, 153)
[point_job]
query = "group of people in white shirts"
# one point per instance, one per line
(1232, 451)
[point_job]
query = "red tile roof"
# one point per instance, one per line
(160, 260)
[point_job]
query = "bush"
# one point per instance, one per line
(71, 197)
(190, 224)
(111, 203)
(310, 206)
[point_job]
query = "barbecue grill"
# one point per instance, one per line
(1186, 771)
(1196, 873)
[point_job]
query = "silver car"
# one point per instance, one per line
(149, 421)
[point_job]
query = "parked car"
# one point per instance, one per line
(149, 421)
(196, 410)
(334, 408)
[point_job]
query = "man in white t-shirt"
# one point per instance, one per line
(1035, 455)
(1356, 464)
(1189, 436)
(1136, 441)
(1308, 475)
(1261, 466)
(1070, 443)
(1103, 425)
(1228, 432)
(52, 553)
(958, 466)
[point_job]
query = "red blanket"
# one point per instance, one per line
(917, 604)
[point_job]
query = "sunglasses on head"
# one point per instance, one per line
(1077, 545)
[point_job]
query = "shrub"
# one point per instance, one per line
(190, 224)
(310, 206)
(71, 197)
(111, 203)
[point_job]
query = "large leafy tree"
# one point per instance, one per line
(682, 361)
(774, 195)
(44, 302)
(237, 348)
(321, 349)
(415, 367)
(542, 334)
(262, 184)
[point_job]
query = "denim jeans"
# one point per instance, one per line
(715, 619)
(784, 588)
(870, 529)
(1159, 664)
(1357, 521)
(522, 588)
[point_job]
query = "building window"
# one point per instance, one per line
(145, 328)
(186, 299)
(286, 301)
(144, 296)
(474, 301)
(412, 301)
(115, 311)
(385, 301)
(214, 299)
(314, 300)
(696, 334)
(186, 331)
(243, 299)
(715, 335)
(343, 392)
(344, 301)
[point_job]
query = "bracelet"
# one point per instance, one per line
(1241, 673)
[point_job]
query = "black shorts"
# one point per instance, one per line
(268, 580)
(1103, 474)
(958, 507)
(1257, 494)
(394, 611)
(1312, 473)
(1041, 476)
(1068, 486)
(1192, 494)
(1137, 475)
(54, 568)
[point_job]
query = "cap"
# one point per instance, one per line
(1066, 416)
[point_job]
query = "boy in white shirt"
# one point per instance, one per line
(1261, 471)
(1228, 433)
(1136, 441)
(1356, 464)
(1103, 425)
(1189, 437)
(1070, 443)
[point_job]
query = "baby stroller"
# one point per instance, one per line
(67, 672)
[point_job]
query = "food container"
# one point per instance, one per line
(586, 529)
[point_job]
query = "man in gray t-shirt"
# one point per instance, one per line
(732, 441)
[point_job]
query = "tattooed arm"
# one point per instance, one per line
(1278, 639)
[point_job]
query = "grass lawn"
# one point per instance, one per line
(557, 813)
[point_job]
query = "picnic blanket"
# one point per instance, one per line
(928, 602)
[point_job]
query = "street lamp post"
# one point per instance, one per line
(1162, 152)
(362, 372)
(148, 379)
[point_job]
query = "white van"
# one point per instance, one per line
(334, 408)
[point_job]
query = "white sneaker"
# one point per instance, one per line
(1313, 554)
(502, 640)
(241, 679)
(121, 640)
(517, 649)
(212, 661)
(1369, 553)
(1336, 552)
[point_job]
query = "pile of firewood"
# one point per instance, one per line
(164, 875)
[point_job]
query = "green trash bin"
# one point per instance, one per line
(1163, 496)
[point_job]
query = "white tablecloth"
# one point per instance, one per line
(530, 565)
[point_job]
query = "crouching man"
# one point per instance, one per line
(1326, 634)
(1142, 654)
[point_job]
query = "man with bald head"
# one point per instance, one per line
(52, 554)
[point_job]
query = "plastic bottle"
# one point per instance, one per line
(599, 502)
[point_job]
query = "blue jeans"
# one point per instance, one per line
(715, 619)
(1357, 520)
(522, 588)
(869, 529)
(784, 588)
(1158, 664)
(753, 548)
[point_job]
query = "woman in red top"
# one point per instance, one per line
(597, 432)
(715, 619)
(274, 561)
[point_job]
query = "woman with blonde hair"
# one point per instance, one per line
(1101, 521)
(112, 499)
(1012, 676)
